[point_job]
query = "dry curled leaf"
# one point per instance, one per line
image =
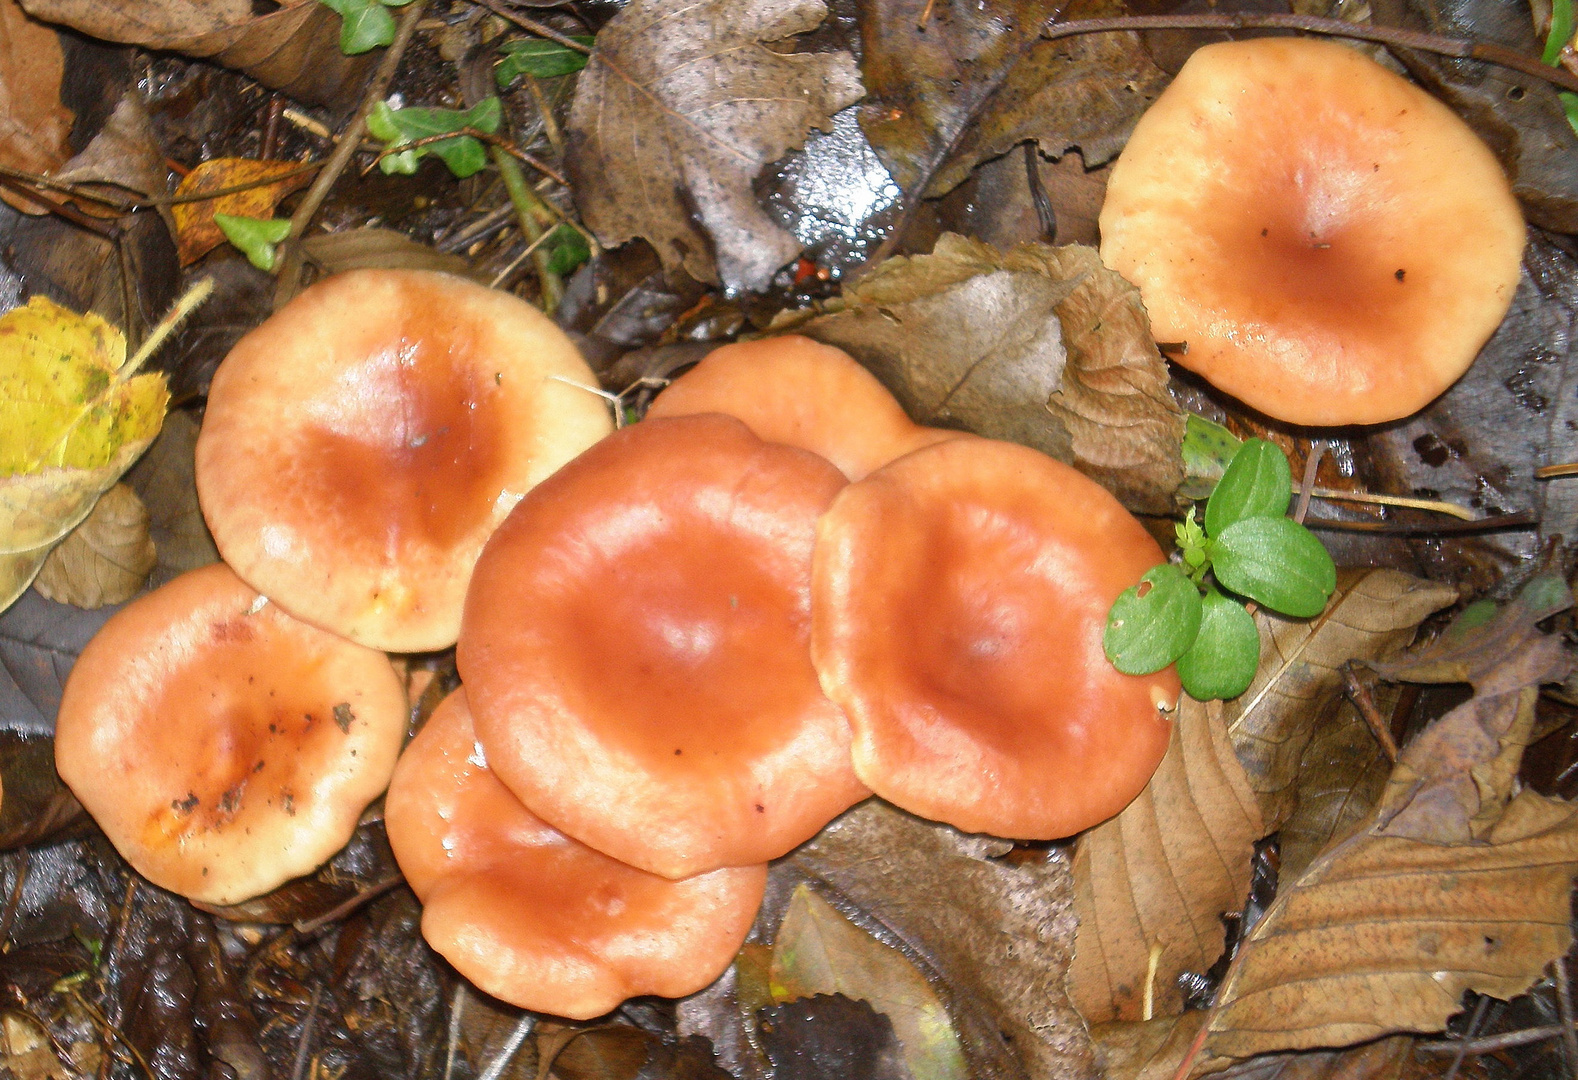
(1038, 345)
(957, 82)
(196, 232)
(123, 159)
(1372, 613)
(34, 125)
(293, 46)
(1384, 934)
(1162, 873)
(106, 559)
(679, 108)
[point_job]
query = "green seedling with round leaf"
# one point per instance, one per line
(1182, 612)
(256, 238)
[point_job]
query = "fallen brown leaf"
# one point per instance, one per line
(165, 480)
(1384, 934)
(124, 158)
(1038, 345)
(294, 47)
(1372, 613)
(1149, 1049)
(34, 125)
(106, 559)
(1162, 873)
(196, 234)
(956, 82)
(381, 249)
(678, 110)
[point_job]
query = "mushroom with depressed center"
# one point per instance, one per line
(223, 746)
(530, 915)
(1327, 242)
(636, 649)
(958, 605)
(800, 392)
(360, 446)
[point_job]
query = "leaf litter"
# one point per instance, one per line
(362, 995)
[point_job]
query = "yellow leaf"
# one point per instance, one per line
(196, 232)
(72, 420)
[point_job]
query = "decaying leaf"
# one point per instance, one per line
(678, 110)
(106, 559)
(70, 424)
(34, 125)
(956, 82)
(1384, 933)
(1039, 345)
(831, 1036)
(1372, 613)
(380, 249)
(36, 805)
(1149, 1049)
(165, 480)
(1162, 873)
(196, 232)
(39, 642)
(124, 158)
(293, 46)
(818, 951)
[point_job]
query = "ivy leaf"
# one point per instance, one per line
(1222, 661)
(1277, 562)
(255, 237)
(539, 58)
(463, 154)
(1153, 623)
(1561, 32)
(1208, 449)
(364, 25)
(1257, 483)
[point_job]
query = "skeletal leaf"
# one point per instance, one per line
(106, 559)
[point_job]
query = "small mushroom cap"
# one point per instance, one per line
(1332, 243)
(636, 649)
(533, 917)
(360, 446)
(799, 392)
(223, 746)
(959, 601)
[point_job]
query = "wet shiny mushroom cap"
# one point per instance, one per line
(799, 392)
(533, 917)
(223, 746)
(361, 445)
(1332, 244)
(636, 649)
(959, 601)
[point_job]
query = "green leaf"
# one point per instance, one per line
(567, 249)
(1276, 561)
(1222, 661)
(463, 154)
(364, 25)
(255, 237)
(1207, 450)
(1561, 31)
(538, 58)
(1153, 623)
(1257, 483)
(1191, 540)
(1570, 107)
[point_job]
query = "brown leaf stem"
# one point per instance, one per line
(308, 927)
(1468, 1033)
(1382, 35)
(1307, 485)
(535, 27)
(1364, 701)
(1491, 1043)
(299, 1069)
(350, 139)
(1523, 519)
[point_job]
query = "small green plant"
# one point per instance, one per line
(1188, 612)
(539, 58)
(464, 154)
(1562, 26)
(364, 24)
(255, 237)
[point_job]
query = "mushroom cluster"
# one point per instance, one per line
(697, 643)
(228, 729)
(1317, 236)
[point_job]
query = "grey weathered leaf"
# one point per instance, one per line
(39, 642)
(1039, 345)
(678, 110)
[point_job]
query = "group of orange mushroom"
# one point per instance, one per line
(685, 646)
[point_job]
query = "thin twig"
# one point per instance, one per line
(14, 899)
(1362, 700)
(550, 126)
(1193, 1052)
(1551, 472)
(1491, 1043)
(1046, 216)
(531, 249)
(1495, 523)
(1307, 486)
(1468, 1033)
(299, 1068)
(308, 927)
(1382, 35)
(457, 1010)
(1462, 513)
(187, 303)
(535, 27)
(1564, 1009)
(291, 250)
(523, 1028)
(232, 189)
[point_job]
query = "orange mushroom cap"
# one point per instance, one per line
(223, 746)
(1333, 244)
(533, 917)
(635, 649)
(360, 446)
(799, 392)
(959, 601)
